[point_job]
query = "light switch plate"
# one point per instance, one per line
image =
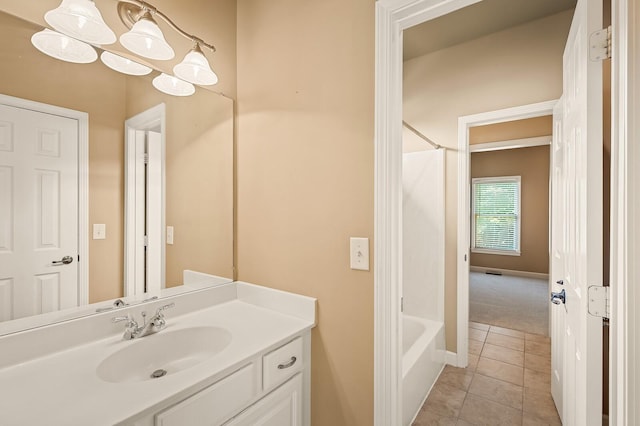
(359, 250)
(169, 234)
(99, 231)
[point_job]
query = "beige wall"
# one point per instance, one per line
(305, 180)
(510, 130)
(518, 66)
(532, 165)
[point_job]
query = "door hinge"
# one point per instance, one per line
(600, 44)
(146, 241)
(402, 304)
(146, 158)
(598, 301)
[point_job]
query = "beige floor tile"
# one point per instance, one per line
(475, 347)
(538, 348)
(505, 341)
(457, 377)
(507, 331)
(473, 362)
(537, 380)
(463, 423)
(478, 335)
(444, 400)
(497, 391)
(503, 354)
(537, 338)
(529, 419)
(540, 404)
(480, 411)
(479, 326)
(501, 370)
(425, 418)
(537, 362)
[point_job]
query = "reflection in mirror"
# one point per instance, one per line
(62, 204)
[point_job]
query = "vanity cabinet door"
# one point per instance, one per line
(216, 403)
(282, 407)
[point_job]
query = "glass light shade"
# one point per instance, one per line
(124, 65)
(146, 39)
(80, 19)
(173, 86)
(195, 69)
(62, 47)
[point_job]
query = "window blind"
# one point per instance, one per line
(496, 208)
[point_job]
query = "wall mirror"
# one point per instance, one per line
(110, 202)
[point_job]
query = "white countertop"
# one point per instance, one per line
(62, 388)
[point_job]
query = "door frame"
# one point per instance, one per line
(464, 206)
(83, 181)
(146, 120)
(624, 379)
(394, 16)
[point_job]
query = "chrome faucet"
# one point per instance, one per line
(155, 324)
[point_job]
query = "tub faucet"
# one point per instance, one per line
(155, 324)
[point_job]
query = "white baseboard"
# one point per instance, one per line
(451, 358)
(511, 272)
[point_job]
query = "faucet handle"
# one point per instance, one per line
(130, 321)
(162, 308)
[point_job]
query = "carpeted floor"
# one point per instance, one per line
(511, 302)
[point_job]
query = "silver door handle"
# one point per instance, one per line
(64, 261)
(287, 364)
(558, 298)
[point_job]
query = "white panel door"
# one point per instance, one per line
(582, 134)
(558, 253)
(38, 212)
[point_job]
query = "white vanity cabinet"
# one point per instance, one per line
(271, 390)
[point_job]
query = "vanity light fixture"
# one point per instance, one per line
(63, 47)
(195, 68)
(146, 39)
(173, 85)
(81, 20)
(124, 65)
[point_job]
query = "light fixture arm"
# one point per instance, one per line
(132, 10)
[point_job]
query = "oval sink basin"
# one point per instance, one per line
(163, 353)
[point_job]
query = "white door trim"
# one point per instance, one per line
(146, 120)
(625, 215)
(392, 17)
(83, 181)
(464, 194)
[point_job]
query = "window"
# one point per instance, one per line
(496, 215)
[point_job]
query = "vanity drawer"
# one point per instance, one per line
(216, 403)
(282, 363)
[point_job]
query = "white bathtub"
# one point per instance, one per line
(423, 349)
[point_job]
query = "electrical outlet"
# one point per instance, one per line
(359, 249)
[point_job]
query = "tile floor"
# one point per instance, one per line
(507, 382)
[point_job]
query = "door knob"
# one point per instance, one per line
(558, 298)
(64, 261)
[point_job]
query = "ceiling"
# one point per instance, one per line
(477, 20)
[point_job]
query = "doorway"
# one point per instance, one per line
(394, 17)
(145, 230)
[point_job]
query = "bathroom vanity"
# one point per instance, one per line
(235, 354)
